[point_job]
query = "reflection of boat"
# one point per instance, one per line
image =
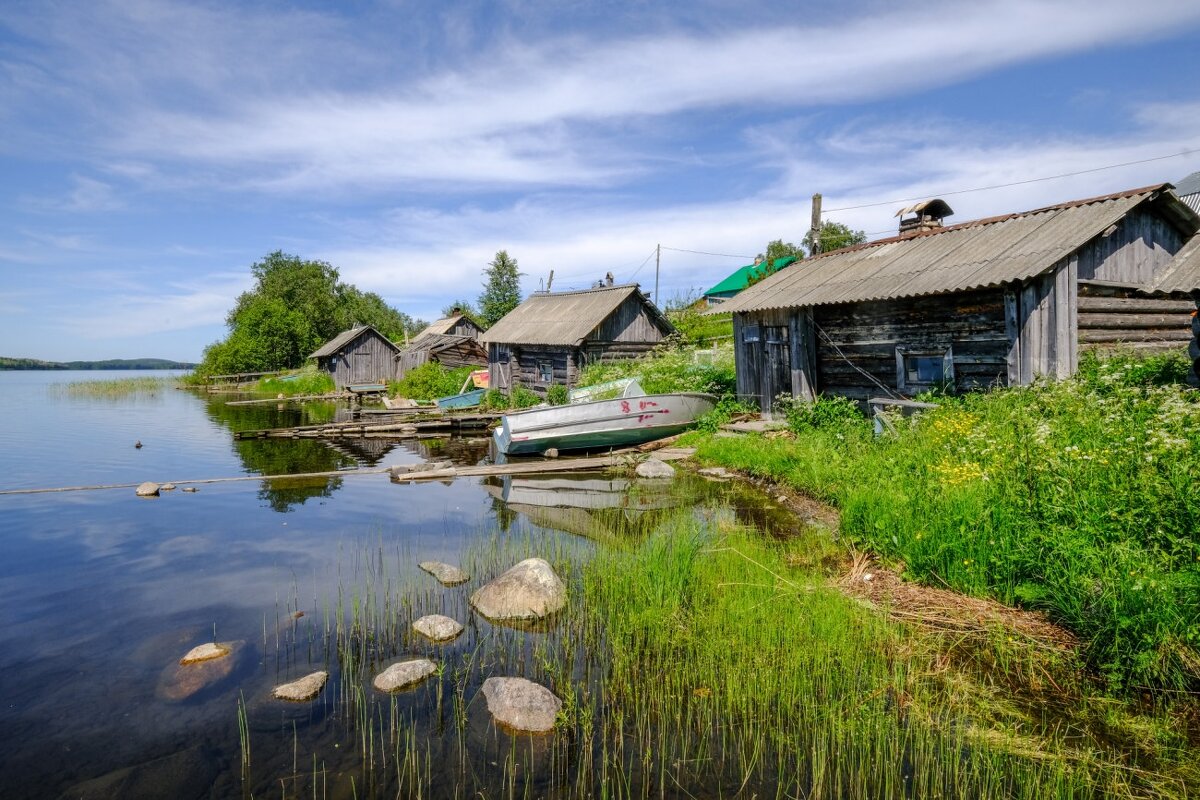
(575, 492)
(464, 400)
(600, 423)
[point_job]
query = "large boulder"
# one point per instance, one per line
(404, 674)
(437, 627)
(305, 688)
(530, 590)
(447, 574)
(653, 468)
(521, 705)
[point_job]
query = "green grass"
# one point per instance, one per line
(671, 369)
(118, 387)
(1080, 498)
(303, 382)
(429, 382)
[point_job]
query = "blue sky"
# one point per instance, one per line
(151, 151)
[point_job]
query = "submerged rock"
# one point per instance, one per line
(167, 487)
(717, 473)
(305, 688)
(404, 674)
(530, 590)
(147, 489)
(653, 468)
(185, 679)
(206, 652)
(190, 489)
(521, 705)
(448, 574)
(438, 627)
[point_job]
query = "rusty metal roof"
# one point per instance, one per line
(563, 318)
(345, 337)
(970, 255)
(1183, 273)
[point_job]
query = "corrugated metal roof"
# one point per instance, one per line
(561, 318)
(344, 338)
(1189, 185)
(970, 255)
(1183, 273)
(740, 278)
(433, 342)
(444, 325)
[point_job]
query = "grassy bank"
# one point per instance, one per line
(1080, 498)
(306, 381)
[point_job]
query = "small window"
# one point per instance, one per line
(546, 372)
(924, 369)
(750, 333)
(777, 334)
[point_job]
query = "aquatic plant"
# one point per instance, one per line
(306, 381)
(116, 387)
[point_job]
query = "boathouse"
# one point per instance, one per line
(992, 302)
(359, 355)
(549, 337)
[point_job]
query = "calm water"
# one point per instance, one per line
(102, 591)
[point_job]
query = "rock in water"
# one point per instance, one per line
(206, 652)
(404, 674)
(437, 627)
(147, 489)
(530, 590)
(306, 688)
(167, 487)
(182, 679)
(653, 468)
(521, 705)
(448, 574)
(190, 489)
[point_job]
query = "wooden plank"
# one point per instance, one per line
(1088, 336)
(1134, 305)
(1118, 321)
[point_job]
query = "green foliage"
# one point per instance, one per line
(1078, 498)
(429, 382)
(695, 328)
(834, 236)
(556, 395)
(7, 363)
(294, 308)
(464, 307)
(306, 381)
(496, 400)
(778, 248)
(502, 290)
(726, 409)
(668, 369)
(837, 414)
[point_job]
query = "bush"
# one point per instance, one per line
(826, 413)
(556, 395)
(496, 400)
(726, 409)
(429, 381)
(667, 369)
(306, 381)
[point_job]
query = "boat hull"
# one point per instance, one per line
(601, 424)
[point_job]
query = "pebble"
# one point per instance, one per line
(190, 489)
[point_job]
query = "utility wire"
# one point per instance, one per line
(702, 253)
(1185, 152)
(644, 263)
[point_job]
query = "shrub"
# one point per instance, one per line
(667, 369)
(825, 413)
(556, 395)
(429, 381)
(306, 381)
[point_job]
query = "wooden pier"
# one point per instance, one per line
(400, 425)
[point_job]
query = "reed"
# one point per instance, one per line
(116, 388)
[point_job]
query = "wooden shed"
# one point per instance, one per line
(548, 338)
(359, 355)
(453, 325)
(992, 302)
(449, 350)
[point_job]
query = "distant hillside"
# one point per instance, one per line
(112, 363)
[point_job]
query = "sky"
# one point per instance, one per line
(151, 151)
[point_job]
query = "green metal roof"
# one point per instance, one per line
(741, 278)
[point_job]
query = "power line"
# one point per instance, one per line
(1185, 152)
(702, 253)
(644, 263)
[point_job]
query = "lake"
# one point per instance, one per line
(103, 592)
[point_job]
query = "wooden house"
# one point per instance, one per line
(549, 337)
(995, 301)
(449, 350)
(357, 356)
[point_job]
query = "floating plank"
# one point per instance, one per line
(614, 459)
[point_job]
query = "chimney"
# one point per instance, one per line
(924, 216)
(608, 279)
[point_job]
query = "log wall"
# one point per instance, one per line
(1116, 317)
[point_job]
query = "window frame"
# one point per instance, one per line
(545, 368)
(904, 352)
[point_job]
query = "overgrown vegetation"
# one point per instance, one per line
(1080, 498)
(496, 400)
(429, 382)
(306, 381)
(117, 387)
(671, 369)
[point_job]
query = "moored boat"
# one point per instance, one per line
(463, 400)
(600, 424)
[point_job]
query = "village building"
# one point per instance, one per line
(548, 338)
(457, 324)
(992, 302)
(743, 277)
(1188, 190)
(452, 342)
(360, 355)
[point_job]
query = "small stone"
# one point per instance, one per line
(190, 489)
(716, 473)
(782, 498)
(653, 468)
(550, 452)
(404, 674)
(438, 627)
(138, 444)
(147, 489)
(167, 487)
(521, 705)
(306, 688)
(448, 574)
(868, 577)
(530, 590)
(206, 652)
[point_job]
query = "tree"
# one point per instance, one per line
(835, 236)
(502, 291)
(294, 308)
(780, 249)
(463, 307)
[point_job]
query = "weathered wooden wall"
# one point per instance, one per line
(630, 322)
(464, 327)
(526, 370)
(1115, 317)
(368, 358)
(1138, 246)
(1194, 344)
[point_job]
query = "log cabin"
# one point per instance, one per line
(358, 356)
(548, 338)
(992, 302)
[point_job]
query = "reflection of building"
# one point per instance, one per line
(996, 301)
(548, 338)
(359, 355)
(365, 451)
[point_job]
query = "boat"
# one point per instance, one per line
(600, 424)
(464, 400)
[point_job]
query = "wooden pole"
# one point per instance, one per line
(657, 260)
(815, 228)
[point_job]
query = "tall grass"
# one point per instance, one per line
(117, 387)
(671, 369)
(306, 381)
(1080, 498)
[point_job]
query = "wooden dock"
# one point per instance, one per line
(400, 426)
(616, 458)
